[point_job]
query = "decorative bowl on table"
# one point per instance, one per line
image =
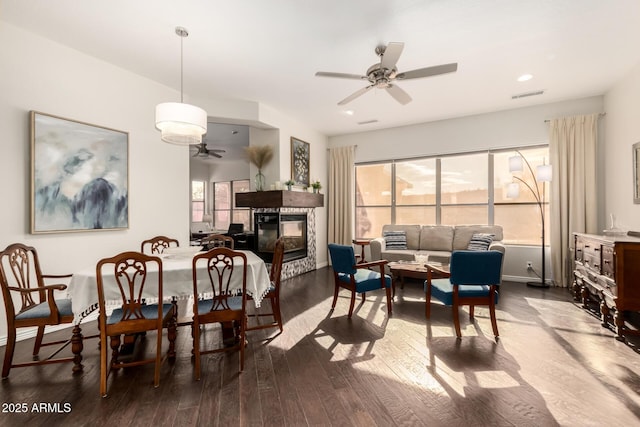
(421, 259)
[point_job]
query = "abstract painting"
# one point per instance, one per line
(79, 176)
(300, 162)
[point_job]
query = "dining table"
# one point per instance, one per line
(177, 280)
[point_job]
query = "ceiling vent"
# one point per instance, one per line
(368, 122)
(524, 95)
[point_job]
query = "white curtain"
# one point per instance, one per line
(572, 146)
(341, 195)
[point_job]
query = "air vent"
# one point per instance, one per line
(524, 95)
(368, 122)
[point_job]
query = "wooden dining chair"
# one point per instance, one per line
(217, 241)
(357, 277)
(22, 280)
(216, 273)
(475, 278)
(156, 245)
(131, 273)
(273, 295)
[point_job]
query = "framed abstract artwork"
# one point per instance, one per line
(79, 176)
(300, 162)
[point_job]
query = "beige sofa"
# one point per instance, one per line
(438, 241)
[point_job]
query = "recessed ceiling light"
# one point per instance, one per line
(348, 112)
(525, 77)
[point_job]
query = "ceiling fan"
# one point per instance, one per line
(204, 152)
(383, 74)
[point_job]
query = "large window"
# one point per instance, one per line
(225, 210)
(197, 200)
(467, 188)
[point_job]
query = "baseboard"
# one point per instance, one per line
(521, 279)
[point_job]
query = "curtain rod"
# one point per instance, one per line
(355, 146)
(599, 115)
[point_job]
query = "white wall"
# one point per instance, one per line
(502, 129)
(622, 104)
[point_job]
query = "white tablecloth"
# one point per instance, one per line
(177, 282)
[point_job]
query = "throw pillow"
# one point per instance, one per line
(480, 242)
(395, 239)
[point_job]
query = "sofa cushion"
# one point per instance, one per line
(412, 231)
(480, 242)
(436, 238)
(395, 239)
(463, 233)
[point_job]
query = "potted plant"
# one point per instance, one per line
(316, 186)
(289, 183)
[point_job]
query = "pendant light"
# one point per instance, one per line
(180, 123)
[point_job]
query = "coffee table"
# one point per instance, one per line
(415, 270)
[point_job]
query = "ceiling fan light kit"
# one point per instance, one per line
(180, 123)
(382, 75)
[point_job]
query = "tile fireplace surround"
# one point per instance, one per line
(289, 202)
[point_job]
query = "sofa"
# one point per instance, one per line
(437, 241)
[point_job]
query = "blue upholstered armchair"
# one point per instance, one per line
(474, 279)
(357, 278)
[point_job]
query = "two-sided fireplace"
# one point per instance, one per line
(292, 227)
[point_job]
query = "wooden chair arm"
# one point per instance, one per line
(380, 262)
(58, 287)
(436, 269)
(57, 276)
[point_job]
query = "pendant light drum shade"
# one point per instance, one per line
(181, 124)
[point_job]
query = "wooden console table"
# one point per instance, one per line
(606, 277)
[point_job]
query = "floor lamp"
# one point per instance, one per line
(542, 175)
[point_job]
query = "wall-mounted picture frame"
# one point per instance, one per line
(79, 176)
(300, 157)
(636, 172)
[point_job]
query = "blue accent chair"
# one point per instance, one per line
(475, 277)
(357, 278)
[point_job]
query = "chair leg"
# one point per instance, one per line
(115, 347)
(364, 296)
(389, 306)
(104, 366)
(156, 370)
(8, 353)
(335, 297)
(172, 334)
(471, 311)
(427, 305)
(243, 328)
(353, 303)
(195, 332)
(456, 319)
(492, 313)
(38, 342)
(276, 312)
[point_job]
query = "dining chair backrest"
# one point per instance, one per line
(220, 267)
(276, 263)
(217, 241)
(130, 272)
(156, 245)
(20, 269)
(343, 258)
(476, 267)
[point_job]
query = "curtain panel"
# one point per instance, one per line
(341, 194)
(572, 150)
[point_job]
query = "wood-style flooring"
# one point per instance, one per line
(553, 365)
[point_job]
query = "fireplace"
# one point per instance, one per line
(292, 227)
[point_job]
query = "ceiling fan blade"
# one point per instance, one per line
(217, 150)
(341, 75)
(399, 94)
(428, 71)
(215, 154)
(391, 55)
(355, 95)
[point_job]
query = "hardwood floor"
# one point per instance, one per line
(553, 365)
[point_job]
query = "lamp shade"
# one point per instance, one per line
(544, 173)
(207, 218)
(513, 190)
(515, 164)
(181, 124)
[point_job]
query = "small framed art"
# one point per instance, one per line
(300, 162)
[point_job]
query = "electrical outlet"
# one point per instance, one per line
(529, 265)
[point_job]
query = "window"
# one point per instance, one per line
(466, 188)
(224, 208)
(197, 200)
